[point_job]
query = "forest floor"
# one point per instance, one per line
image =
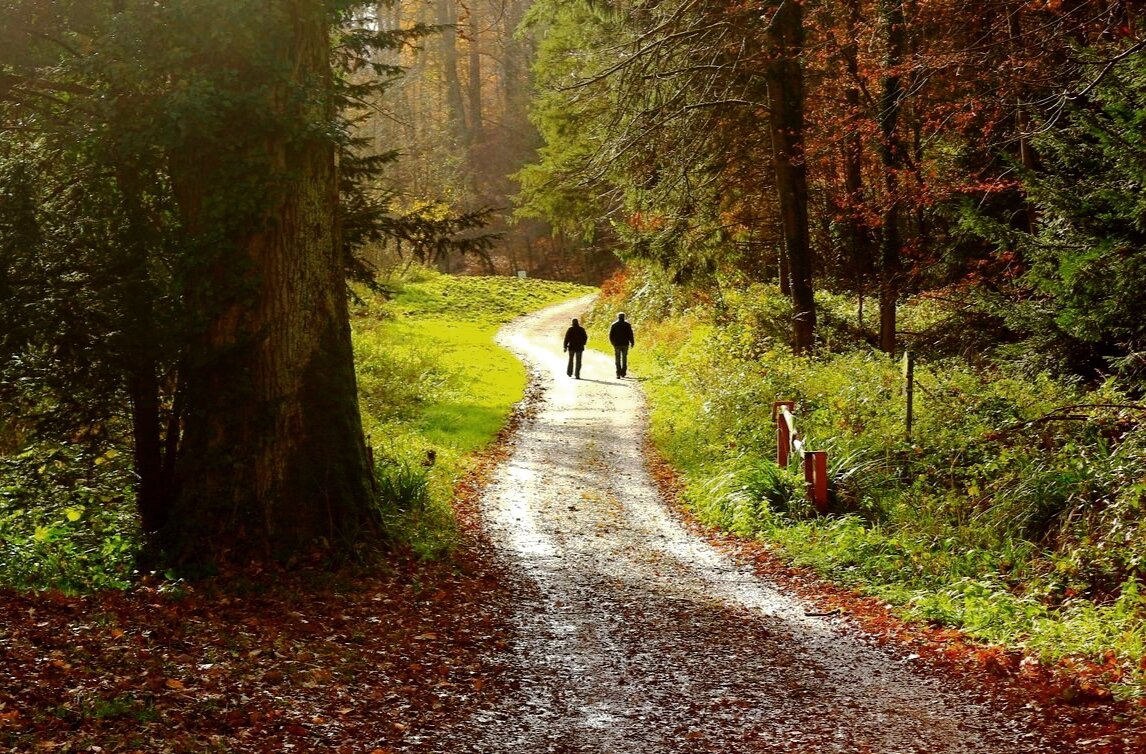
(584, 612)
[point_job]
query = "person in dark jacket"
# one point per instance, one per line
(621, 336)
(575, 340)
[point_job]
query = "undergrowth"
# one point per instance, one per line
(1014, 511)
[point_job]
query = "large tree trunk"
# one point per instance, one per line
(273, 459)
(890, 102)
(859, 235)
(785, 76)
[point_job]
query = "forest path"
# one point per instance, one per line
(633, 635)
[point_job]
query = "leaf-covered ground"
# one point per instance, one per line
(300, 660)
(350, 667)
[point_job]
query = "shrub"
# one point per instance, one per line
(67, 519)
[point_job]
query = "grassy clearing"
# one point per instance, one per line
(430, 381)
(1017, 528)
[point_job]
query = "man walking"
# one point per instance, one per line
(575, 340)
(621, 336)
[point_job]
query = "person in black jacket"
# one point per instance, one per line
(575, 340)
(621, 336)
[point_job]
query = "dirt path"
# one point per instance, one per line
(633, 635)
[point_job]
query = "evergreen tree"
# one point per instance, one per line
(172, 245)
(1088, 256)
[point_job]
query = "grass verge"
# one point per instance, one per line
(435, 389)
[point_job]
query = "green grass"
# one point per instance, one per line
(66, 519)
(1020, 532)
(432, 380)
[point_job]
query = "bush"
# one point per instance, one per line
(67, 519)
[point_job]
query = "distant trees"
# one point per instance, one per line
(654, 114)
(459, 114)
(688, 119)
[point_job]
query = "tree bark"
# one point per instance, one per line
(890, 101)
(785, 77)
(455, 102)
(273, 459)
(859, 235)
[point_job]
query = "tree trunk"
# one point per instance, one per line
(273, 460)
(785, 272)
(515, 57)
(785, 76)
(859, 235)
(152, 491)
(1022, 120)
(455, 105)
(141, 351)
(890, 101)
(474, 78)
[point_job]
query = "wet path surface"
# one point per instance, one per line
(633, 635)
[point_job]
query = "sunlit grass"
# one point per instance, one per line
(435, 388)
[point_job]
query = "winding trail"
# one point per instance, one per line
(634, 636)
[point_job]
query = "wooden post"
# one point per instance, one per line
(816, 474)
(783, 433)
(909, 375)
